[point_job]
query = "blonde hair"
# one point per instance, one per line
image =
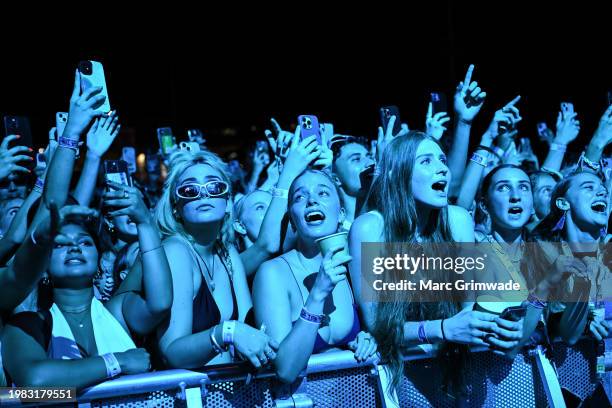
(165, 211)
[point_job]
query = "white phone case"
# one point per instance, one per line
(96, 79)
(61, 118)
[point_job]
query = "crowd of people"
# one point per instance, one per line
(108, 278)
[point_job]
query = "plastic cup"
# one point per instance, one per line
(333, 240)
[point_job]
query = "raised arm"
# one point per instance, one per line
(601, 138)
(508, 115)
(301, 154)
(99, 139)
(142, 312)
(567, 131)
(468, 101)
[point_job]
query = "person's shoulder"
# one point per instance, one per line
(176, 245)
(369, 225)
(274, 269)
(37, 325)
(461, 224)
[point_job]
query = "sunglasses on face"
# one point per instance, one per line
(191, 191)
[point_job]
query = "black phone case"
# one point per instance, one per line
(385, 114)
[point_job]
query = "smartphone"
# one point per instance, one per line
(117, 172)
(567, 107)
(92, 74)
(525, 145)
(167, 142)
(309, 125)
(542, 129)
(438, 102)
(261, 146)
(61, 118)
(189, 146)
(514, 313)
(196, 135)
(128, 155)
(385, 115)
(327, 131)
(41, 161)
(20, 125)
(152, 164)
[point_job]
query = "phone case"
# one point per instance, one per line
(327, 130)
(189, 146)
(61, 118)
(167, 142)
(385, 115)
(309, 125)
(128, 154)
(438, 102)
(18, 125)
(117, 172)
(92, 74)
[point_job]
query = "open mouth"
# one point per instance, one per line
(515, 210)
(599, 207)
(314, 217)
(439, 186)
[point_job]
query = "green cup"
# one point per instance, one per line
(333, 240)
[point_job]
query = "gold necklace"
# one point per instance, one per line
(72, 313)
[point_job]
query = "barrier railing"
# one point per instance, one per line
(335, 379)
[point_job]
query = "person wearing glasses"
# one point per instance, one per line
(211, 295)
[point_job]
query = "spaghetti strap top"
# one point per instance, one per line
(206, 313)
(320, 344)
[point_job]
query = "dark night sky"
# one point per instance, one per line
(240, 71)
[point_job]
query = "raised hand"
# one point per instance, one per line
(385, 137)
(505, 119)
(434, 124)
(332, 271)
(469, 98)
(10, 157)
(82, 109)
(568, 128)
(129, 201)
(604, 130)
(48, 228)
(299, 156)
(102, 134)
(281, 142)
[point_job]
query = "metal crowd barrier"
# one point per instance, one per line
(335, 379)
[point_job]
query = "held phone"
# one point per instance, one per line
(438, 102)
(152, 164)
(309, 125)
(117, 172)
(542, 129)
(167, 142)
(61, 118)
(20, 125)
(128, 155)
(567, 107)
(514, 313)
(327, 131)
(189, 146)
(385, 114)
(92, 75)
(196, 135)
(261, 146)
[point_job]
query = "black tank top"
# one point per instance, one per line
(206, 313)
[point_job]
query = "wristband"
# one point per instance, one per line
(558, 147)
(585, 161)
(321, 320)
(113, 368)
(68, 143)
(421, 333)
(213, 340)
(39, 185)
(279, 192)
(535, 302)
(229, 329)
(479, 159)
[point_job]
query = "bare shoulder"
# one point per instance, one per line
(367, 227)
(461, 224)
(273, 270)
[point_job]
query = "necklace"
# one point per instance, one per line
(81, 321)
(211, 275)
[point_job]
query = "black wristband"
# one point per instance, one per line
(488, 149)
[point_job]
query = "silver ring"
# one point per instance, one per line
(125, 194)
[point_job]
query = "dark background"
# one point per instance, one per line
(220, 70)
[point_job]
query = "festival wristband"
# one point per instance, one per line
(421, 333)
(558, 147)
(320, 319)
(69, 144)
(39, 185)
(213, 340)
(113, 368)
(229, 329)
(279, 192)
(490, 150)
(479, 159)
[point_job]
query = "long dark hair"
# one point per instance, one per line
(392, 196)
